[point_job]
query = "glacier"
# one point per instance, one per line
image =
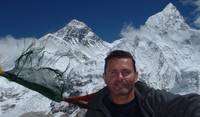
(70, 62)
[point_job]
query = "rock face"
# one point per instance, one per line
(71, 60)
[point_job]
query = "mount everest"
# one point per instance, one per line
(70, 62)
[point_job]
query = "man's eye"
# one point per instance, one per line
(113, 72)
(126, 73)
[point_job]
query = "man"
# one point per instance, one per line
(125, 96)
(120, 76)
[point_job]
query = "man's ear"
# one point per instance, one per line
(104, 78)
(136, 76)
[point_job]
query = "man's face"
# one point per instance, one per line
(120, 76)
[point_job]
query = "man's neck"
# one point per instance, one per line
(122, 99)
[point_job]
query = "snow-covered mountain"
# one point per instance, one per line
(70, 62)
(167, 21)
(166, 51)
(61, 62)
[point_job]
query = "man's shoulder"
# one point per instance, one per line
(146, 90)
(163, 96)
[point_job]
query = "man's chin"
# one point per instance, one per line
(123, 92)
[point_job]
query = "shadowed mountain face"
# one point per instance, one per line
(70, 61)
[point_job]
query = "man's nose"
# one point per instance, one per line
(119, 76)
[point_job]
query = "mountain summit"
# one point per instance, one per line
(77, 24)
(73, 24)
(169, 19)
(77, 32)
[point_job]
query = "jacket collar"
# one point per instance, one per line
(141, 89)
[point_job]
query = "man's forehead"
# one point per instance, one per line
(120, 62)
(120, 59)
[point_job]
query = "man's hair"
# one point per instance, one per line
(119, 54)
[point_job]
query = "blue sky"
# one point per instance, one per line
(35, 18)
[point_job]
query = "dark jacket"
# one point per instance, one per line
(153, 103)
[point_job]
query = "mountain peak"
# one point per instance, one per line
(168, 19)
(170, 6)
(77, 24)
(72, 27)
(77, 32)
(170, 9)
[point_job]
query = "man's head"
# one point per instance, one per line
(120, 73)
(119, 54)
